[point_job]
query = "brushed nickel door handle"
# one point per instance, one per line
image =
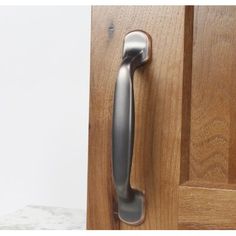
(136, 52)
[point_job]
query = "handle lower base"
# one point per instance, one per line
(132, 212)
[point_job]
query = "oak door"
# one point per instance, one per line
(184, 156)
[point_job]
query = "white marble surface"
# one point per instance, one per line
(44, 218)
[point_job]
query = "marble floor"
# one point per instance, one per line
(44, 218)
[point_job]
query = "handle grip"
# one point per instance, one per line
(136, 52)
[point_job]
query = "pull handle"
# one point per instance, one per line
(136, 52)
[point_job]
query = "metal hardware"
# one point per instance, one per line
(136, 52)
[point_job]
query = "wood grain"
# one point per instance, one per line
(213, 102)
(101, 209)
(207, 208)
(158, 113)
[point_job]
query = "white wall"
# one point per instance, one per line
(44, 89)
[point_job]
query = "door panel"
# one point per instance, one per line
(185, 105)
(207, 194)
(213, 95)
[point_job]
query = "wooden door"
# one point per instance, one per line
(185, 106)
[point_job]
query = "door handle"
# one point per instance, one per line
(136, 52)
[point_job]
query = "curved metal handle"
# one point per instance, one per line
(136, 52)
